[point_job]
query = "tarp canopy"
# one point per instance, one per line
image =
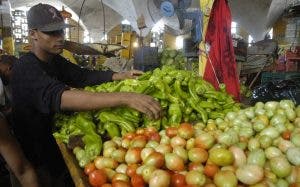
(256, 16)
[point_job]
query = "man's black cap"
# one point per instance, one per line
(46, 18)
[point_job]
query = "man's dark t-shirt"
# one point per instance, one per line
(36, 95)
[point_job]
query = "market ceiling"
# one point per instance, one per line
(256, 16)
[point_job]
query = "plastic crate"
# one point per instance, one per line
(269, 76)
(145, 68)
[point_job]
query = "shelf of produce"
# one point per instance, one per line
(79, 178)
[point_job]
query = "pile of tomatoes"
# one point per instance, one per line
(171, 157)
(256, 147)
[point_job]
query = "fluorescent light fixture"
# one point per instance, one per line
(271, 33)
(86, 37)
(135, 44)
(152, 44)
(233, 27)
(125, 22)
(179, 42)
(158, 27)
(250, 40)
(104, 38)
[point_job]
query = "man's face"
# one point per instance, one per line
(51, 42)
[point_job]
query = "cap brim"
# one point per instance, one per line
(55, 27)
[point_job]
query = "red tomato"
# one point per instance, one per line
(286, 135)
(171, 131)
(186, 131)
(150, 130)
(210, 170)
(89, 168)
(139, 141)
(120, 183)
(154, 136)
(178, 180)
(297, 184)
(195, 166)
(120, 177)
(140, 137)
(155, 159)
(173, 162)
(130, 135)
(137, 181)
(131, 169)
(198, 155)
(133, 155)
(97, 178)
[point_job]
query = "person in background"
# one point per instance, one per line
(6, 64)
(41, 86)
(10, 151)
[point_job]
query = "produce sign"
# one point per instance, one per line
(256, 146)
(183, 96)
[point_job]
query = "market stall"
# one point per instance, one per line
(203, 138)
(198, 58)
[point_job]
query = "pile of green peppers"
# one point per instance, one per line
(79, 124)
(184, 97)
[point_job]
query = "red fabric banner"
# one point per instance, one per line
(221, 53)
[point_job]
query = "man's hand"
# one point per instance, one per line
(143, 103)
(132, 74)
(78, 100)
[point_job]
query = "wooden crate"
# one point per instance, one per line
(77, 173)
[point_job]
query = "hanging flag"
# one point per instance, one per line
(221, 64)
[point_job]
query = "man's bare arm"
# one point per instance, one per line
(13, 155)
(79, 100)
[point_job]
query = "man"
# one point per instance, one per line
(6, 64)
(41, 84)
(9, 148)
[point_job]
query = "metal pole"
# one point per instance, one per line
(79, 19)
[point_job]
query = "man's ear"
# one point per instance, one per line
(33, 34)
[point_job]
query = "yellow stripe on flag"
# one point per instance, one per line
(205, 6)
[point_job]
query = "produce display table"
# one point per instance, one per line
(79, 178)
